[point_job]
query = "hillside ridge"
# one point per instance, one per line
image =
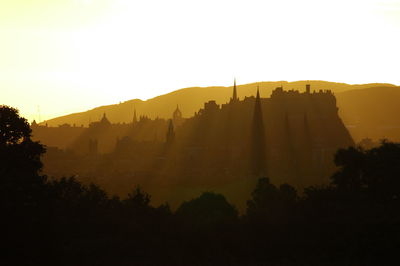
(191, 99)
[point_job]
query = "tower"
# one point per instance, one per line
(177, 117)
(308, 87)
(134, 121)
(177, 113)
(34, 124)
(104, 120)
(258, 143)
(234, 94)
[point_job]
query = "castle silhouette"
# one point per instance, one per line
(291, 136)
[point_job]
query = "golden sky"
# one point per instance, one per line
(63, 56)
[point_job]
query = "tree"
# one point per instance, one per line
(370, 173)
(19, 155)
(13, 128)
(19, 161)
(210, 209)
(138, 198)
(137, 204)
(23, 191)
(270, 203)
(352, 163)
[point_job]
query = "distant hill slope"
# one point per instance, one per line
(371, 112)
(190, 100)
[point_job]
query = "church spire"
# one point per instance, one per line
(234, 94)
(177, 117)
(234, 91)
(134, 115)
(258, 147)
(105, 120)
(177, 114)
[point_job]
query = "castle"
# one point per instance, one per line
(291, 136)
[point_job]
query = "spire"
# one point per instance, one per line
(134, 115)
(234, 95)
(104, 120)
(177, 114)
(258, 147)
(234, 91)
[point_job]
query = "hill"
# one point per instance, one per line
(369, 110)
(190, 100)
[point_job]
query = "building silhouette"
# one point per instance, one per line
(234, 97)
(258, 158)
(290, 136)
(177, 118)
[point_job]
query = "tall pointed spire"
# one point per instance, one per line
(234, 94)
(134, 115)
(234, 90)
(258, 142)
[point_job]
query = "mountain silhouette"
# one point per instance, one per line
(370, 110)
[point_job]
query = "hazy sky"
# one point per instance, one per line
(66, 56)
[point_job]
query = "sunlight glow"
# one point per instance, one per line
(70, 55)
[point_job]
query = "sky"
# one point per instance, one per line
(63, 56)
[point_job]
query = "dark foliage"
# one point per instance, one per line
(270, 204)
(209, 209)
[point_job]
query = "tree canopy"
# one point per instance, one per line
(19, 155)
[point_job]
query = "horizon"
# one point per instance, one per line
(117, 50)
(218, 86)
